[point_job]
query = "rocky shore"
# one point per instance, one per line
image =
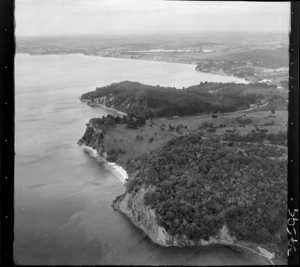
(132, 202)
(132, 205)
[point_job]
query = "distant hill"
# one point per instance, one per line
(156, 101)
(266, 58)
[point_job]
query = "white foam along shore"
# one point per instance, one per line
(116, 169)
(93, 152)
(121, 173)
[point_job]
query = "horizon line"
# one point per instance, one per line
(152, 34)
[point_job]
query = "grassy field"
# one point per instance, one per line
(130, 143)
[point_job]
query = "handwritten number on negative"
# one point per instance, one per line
(291, 231)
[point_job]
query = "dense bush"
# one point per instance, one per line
(205, 125)
(244, 121)
(151, 139)
(201, 184)
(258, 137)
(211, 130)
(139, 137)
(112, 155)
(151, 101)
(121, 151)
(271, 123)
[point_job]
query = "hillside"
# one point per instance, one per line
(270, 65)
(198, 179)
(188, 187)
(200, 190)
(265, 58)
(155, 101)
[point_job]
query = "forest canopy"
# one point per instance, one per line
(156, 101)
(201, 184)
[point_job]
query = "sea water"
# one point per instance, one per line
(63, 196)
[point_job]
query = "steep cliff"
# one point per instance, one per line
(177, 196)
(196, 191)
(93, 138)
(129, 106)
(132, 202)
(133, 206)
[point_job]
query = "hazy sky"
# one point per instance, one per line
(75, 17)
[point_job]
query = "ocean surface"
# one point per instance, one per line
(63, 196)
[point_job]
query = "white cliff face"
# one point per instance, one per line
(132, 205)
(93, 139)
(105, 100)
(112, 102)
(143, 217)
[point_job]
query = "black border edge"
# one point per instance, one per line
(7, 52)
(293, 135)
(7, 152)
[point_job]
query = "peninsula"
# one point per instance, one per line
(206, 164)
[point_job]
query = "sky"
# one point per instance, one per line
(84, 17)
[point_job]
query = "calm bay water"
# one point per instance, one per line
(63, 197)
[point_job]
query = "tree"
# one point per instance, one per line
(139, 137)
(151, 140)
(200, 185)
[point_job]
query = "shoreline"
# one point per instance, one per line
(92, 152)
(119, 170)
(241, 245)
(100, 56)
(143, 59)
(122, 176)
(254, 248)
(102, 106)
(248, 248)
